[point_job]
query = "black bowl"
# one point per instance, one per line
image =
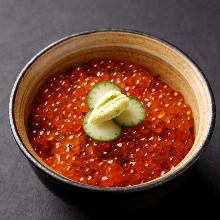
(160, 57)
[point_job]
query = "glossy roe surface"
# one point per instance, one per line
(142, 153)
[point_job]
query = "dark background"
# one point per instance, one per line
(28, 26)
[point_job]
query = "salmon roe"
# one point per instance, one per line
(142, 153)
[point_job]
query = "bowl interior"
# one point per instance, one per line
(159, 57)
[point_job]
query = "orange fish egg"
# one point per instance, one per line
(142, 153)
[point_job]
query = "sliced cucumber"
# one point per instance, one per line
(105, 131)
(133, 115)
(99, 90)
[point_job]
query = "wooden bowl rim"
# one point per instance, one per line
(135, 188)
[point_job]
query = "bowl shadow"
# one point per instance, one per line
(194, 195)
